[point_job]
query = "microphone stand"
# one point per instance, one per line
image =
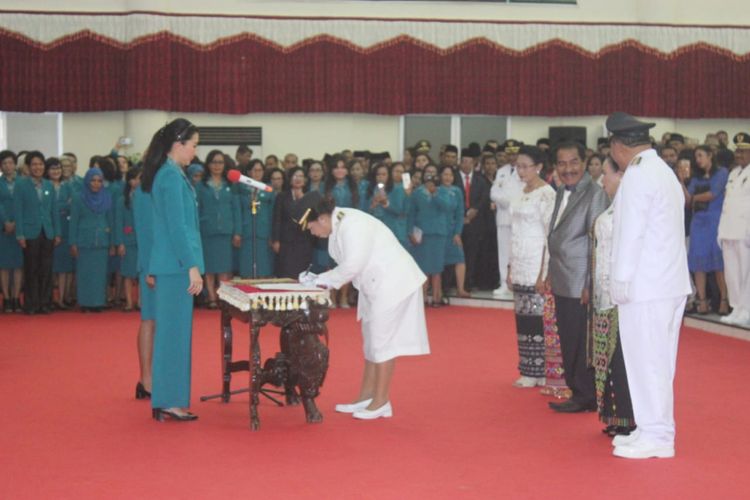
(254, 204)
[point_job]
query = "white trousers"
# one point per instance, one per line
(503, 252)
(649, 332)
(737, 272)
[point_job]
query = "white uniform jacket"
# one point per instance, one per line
(649, 231)
(735, 214)
(506, 188)
(369, 255)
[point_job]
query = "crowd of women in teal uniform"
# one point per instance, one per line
(88, 228)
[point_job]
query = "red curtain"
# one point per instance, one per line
(405, 77)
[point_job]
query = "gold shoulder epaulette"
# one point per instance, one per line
(340, 216)
(636, 160)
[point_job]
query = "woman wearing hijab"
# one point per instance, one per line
(91, 223)
(176, 262)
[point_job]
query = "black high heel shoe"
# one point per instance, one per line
(160, 413)
(141, 392)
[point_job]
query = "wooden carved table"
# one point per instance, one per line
(303, 361)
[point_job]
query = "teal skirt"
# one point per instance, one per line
(454, 254)
(91, 276)
(62, 261)
(430, 254)
(172, 342)
(11, 254)
(217, 253)
(264, 259)
(129, 263)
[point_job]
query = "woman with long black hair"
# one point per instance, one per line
(176, 263)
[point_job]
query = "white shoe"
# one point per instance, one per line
(643, 449)
(742, 318)
(731, 318)
(351, 408)
(385, 411)
(526, 382)
(623, 440)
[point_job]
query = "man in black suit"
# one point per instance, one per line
(476, 189)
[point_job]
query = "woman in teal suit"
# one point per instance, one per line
(345, 191)
(144, 228)
(219, 232)
(176, 262)
(428, 212)
(37, 233)
(62, 262)
(454, 250)
(317, 182)
(125, 237)
(91, 241)
(243, 199)
(11, 255)
(388, 203)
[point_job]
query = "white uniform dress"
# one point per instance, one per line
(734, 237)
(650, 283)
(391, 306)
(506, 188)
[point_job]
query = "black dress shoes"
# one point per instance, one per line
(571, 406)
(160, 414)
(141, 392)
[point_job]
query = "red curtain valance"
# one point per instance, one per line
(247, 74)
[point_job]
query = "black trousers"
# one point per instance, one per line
(37, 270)
(571, 327)
(472, 239)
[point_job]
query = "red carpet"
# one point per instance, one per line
(72, 429)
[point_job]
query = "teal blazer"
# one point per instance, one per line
(428, 212)
(64, 204)
(124, 233)
(243, 212)
(143, 217)
(176, 235)
(88, 229)
(32, 214)
(395, 214)
(6, 201)
(454, 197)
(217, 210)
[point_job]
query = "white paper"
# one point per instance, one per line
(287, 287)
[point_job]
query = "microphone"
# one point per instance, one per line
(235, 176)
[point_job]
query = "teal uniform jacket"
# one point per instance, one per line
(176, 249)
(11, 254)
(62, 261)
(395, 214)
(35, 213)
(218, 223)
(262, 220)
(176, 233)
(454, 220)
(342, 195)
(89, 229)
(428, 213)
(144, 227)
(362, 187)
(92, 234)
(115, 188)
(124, 234)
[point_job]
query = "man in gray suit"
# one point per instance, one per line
(579, 202)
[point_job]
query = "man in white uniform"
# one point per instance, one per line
(734, 234)
(506, 187)
(390, 306)
(650, 283)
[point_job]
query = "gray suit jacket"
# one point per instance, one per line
(569, 243)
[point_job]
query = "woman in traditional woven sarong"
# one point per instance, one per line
(612, 394)
(530, 216)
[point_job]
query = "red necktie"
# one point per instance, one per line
(467, 188)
